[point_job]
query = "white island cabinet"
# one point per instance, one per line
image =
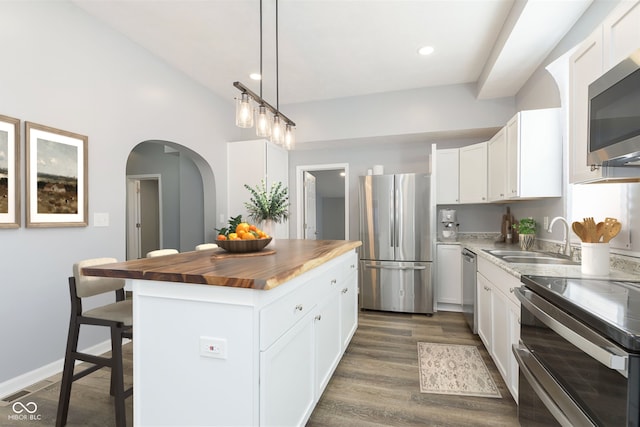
(225, 341)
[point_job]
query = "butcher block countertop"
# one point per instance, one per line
(221, 268)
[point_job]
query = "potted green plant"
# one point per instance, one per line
(526, 229)
(270, 206)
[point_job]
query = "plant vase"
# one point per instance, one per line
(526, 241)
(269, 227)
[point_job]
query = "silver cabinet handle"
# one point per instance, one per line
(380, 267)
(319, 317)
(486, 288)
(511, 290)
(352, 266)
(345, 290)
(299, 307)
(587, 340)
(334, 281)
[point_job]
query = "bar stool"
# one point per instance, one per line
(117, 316)
(205, 246)
(162, 252)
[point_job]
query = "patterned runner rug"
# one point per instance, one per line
(454, 369)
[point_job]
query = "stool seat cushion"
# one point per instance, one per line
(121, 311)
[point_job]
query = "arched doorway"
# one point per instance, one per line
(170, 198)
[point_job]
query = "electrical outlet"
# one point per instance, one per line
(546, 222)
(215, 348)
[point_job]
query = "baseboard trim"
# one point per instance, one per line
(24, 381)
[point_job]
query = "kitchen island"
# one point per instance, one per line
(226, 339)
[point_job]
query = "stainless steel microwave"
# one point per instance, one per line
(614, 115)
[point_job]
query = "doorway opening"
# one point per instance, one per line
(323, 201)
(144, 216)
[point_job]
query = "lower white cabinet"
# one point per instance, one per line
(328, 339)
(499, 319)
(449, 277)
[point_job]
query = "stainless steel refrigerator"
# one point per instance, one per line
(396, 255)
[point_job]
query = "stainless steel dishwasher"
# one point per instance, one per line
(469, 272)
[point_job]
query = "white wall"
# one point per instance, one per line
(63, 69)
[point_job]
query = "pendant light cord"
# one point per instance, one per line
(261, 77)
(277, 71)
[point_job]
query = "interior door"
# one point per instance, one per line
(310, 226)
(143, 216)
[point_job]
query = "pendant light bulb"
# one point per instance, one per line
(263, 124)
(289, 137)
(277, 131)
(244, 113)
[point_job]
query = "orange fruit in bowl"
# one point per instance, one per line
(248, 236)
(243, 226)
(222, 237)
(233, 236)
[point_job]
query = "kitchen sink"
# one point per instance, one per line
(530, 257)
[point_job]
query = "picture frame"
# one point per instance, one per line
(57, 177)
(9, 172)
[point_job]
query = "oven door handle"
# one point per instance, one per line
(559, 404)
(575, 332)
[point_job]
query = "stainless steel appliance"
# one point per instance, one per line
(579, 352)
(614, 115)
(396, 254)
(469, 276)
(448, 225)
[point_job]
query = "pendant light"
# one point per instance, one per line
(279, 130)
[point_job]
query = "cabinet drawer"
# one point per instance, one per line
(280, 316)
(502, 281)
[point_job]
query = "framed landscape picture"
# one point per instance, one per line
(57, 189)
(9, 172)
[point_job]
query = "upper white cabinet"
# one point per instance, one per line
(260, 160)
(585, 65)
(473, 173)
(534, 154)
(621, 33)
(497, 166)
(616, 38)
(447, 176)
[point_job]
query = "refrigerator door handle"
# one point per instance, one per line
(383, 267)
(396, 214)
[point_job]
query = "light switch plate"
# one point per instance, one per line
(100, 219)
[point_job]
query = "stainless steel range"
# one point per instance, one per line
(579, 352)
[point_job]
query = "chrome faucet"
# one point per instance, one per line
(567, 248)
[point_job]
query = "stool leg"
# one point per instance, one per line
(67, 373)
(117, 376)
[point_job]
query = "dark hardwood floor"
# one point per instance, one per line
(376, 383)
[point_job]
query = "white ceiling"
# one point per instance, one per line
(341, 48)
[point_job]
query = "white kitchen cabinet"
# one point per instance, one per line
(287, 388)
(621, 33)
(447, 176)
(449, 277)
(611, 42)
(483, 293)
(534, 154)
(250, 162)
(328, 339)
(585, 65)
(497, 166)
(349, 307)
(499, 319)
(473, 173)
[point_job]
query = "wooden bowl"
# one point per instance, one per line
(242, 246)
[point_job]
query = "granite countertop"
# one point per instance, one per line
(478, 246)
(217, 267)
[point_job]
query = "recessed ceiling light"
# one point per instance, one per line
(254, 76)
(425, 50)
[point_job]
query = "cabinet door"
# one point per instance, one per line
(501, 333)
(497, 166)
(585, 65)
(621, 33)
(473, 173)
(449, 274)
(484, 311)
(348, 309)
(447, 176)
(287, 377)
(512, 131)
(328, 343)
(514, 327)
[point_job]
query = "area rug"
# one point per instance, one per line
(454, 369)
